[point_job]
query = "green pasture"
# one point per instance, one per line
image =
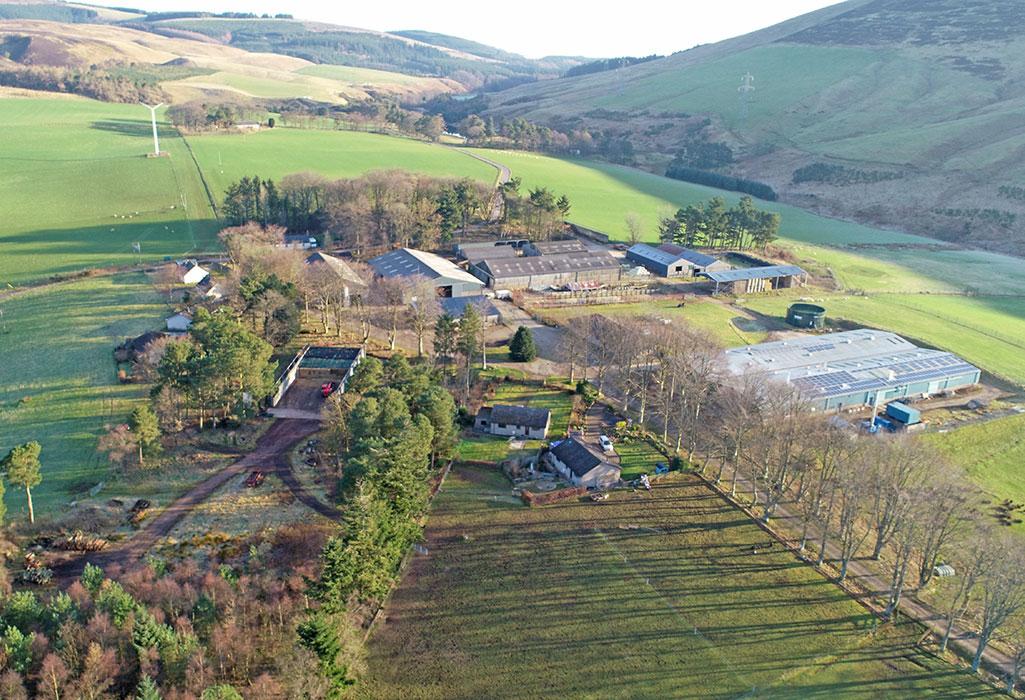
(77, 190)
(992, 454)
(58, 381)
(274, 153)
(359, 76)
(987, 331)
(729, 326)
(639, 596)
(637, 457)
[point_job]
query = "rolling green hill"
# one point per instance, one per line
(916, 105)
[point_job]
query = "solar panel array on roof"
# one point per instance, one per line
(841, 364)
(754, 273)
(549, 264)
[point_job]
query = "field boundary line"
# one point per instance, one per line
(202, 177)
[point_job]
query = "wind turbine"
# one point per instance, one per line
(153, 120)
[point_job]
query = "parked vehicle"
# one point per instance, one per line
(661, 468)
(606, 444)
(328, 388)
(599, 496)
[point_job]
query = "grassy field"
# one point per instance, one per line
(728, 325)
(638, 457)
(78, 190)
(989, 332)
(639, 596)
(273, 153)
(992, 454)
(58, 382)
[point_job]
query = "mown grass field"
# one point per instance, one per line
(638, 596)
(76, 189)
(637, 457)
(58, 381)
(274, 153)
(992, 454)
(727, 325)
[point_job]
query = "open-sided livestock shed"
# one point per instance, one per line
(855, 368)
(543, 271)
(751, 280)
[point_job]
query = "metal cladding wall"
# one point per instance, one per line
(551, 279)
(867, 398)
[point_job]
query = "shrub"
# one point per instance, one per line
(542, 499)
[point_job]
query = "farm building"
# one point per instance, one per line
(449, 279)
(210, 289)
(179, 323)
(475, 252)
(455, 306)
(190, 272)
(673, 261)
(756, 279)
(352, 283)
(520, 421)
(541, 272)
(565, 247)
(582, 465)
(855, 368)
(298, 241)
(130, 350)
(320, 363)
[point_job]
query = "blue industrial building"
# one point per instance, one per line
(855, 368)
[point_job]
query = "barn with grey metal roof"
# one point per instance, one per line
(450, 279)
(749, 280)
(541, 272)
(673, 261)
(855, 368)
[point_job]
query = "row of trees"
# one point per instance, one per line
(525, 135)
(851, 495)
(390, 428)
(713, 225)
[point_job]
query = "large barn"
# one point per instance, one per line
(855, 368)
(670, 260)
(541, 272)
(449, 279)
(751, 280)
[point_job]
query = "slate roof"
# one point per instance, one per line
(577, 456)
(548, 264)
(754, 273)
(520, 415)
(407, 262)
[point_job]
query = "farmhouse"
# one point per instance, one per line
(352, 283)
(582, 465)
(190, 272)
(855, 368)
(566, 247)
(179, 323)
(520, 421)
(541, 272)
(210, 289)
(756, 279)
(673, 261)
(298, 241)
(449, 279)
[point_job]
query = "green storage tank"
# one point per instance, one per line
(806, 316)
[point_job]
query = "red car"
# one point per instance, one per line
(328, 388)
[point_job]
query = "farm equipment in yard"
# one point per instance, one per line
(599, 496)
(255, 479)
